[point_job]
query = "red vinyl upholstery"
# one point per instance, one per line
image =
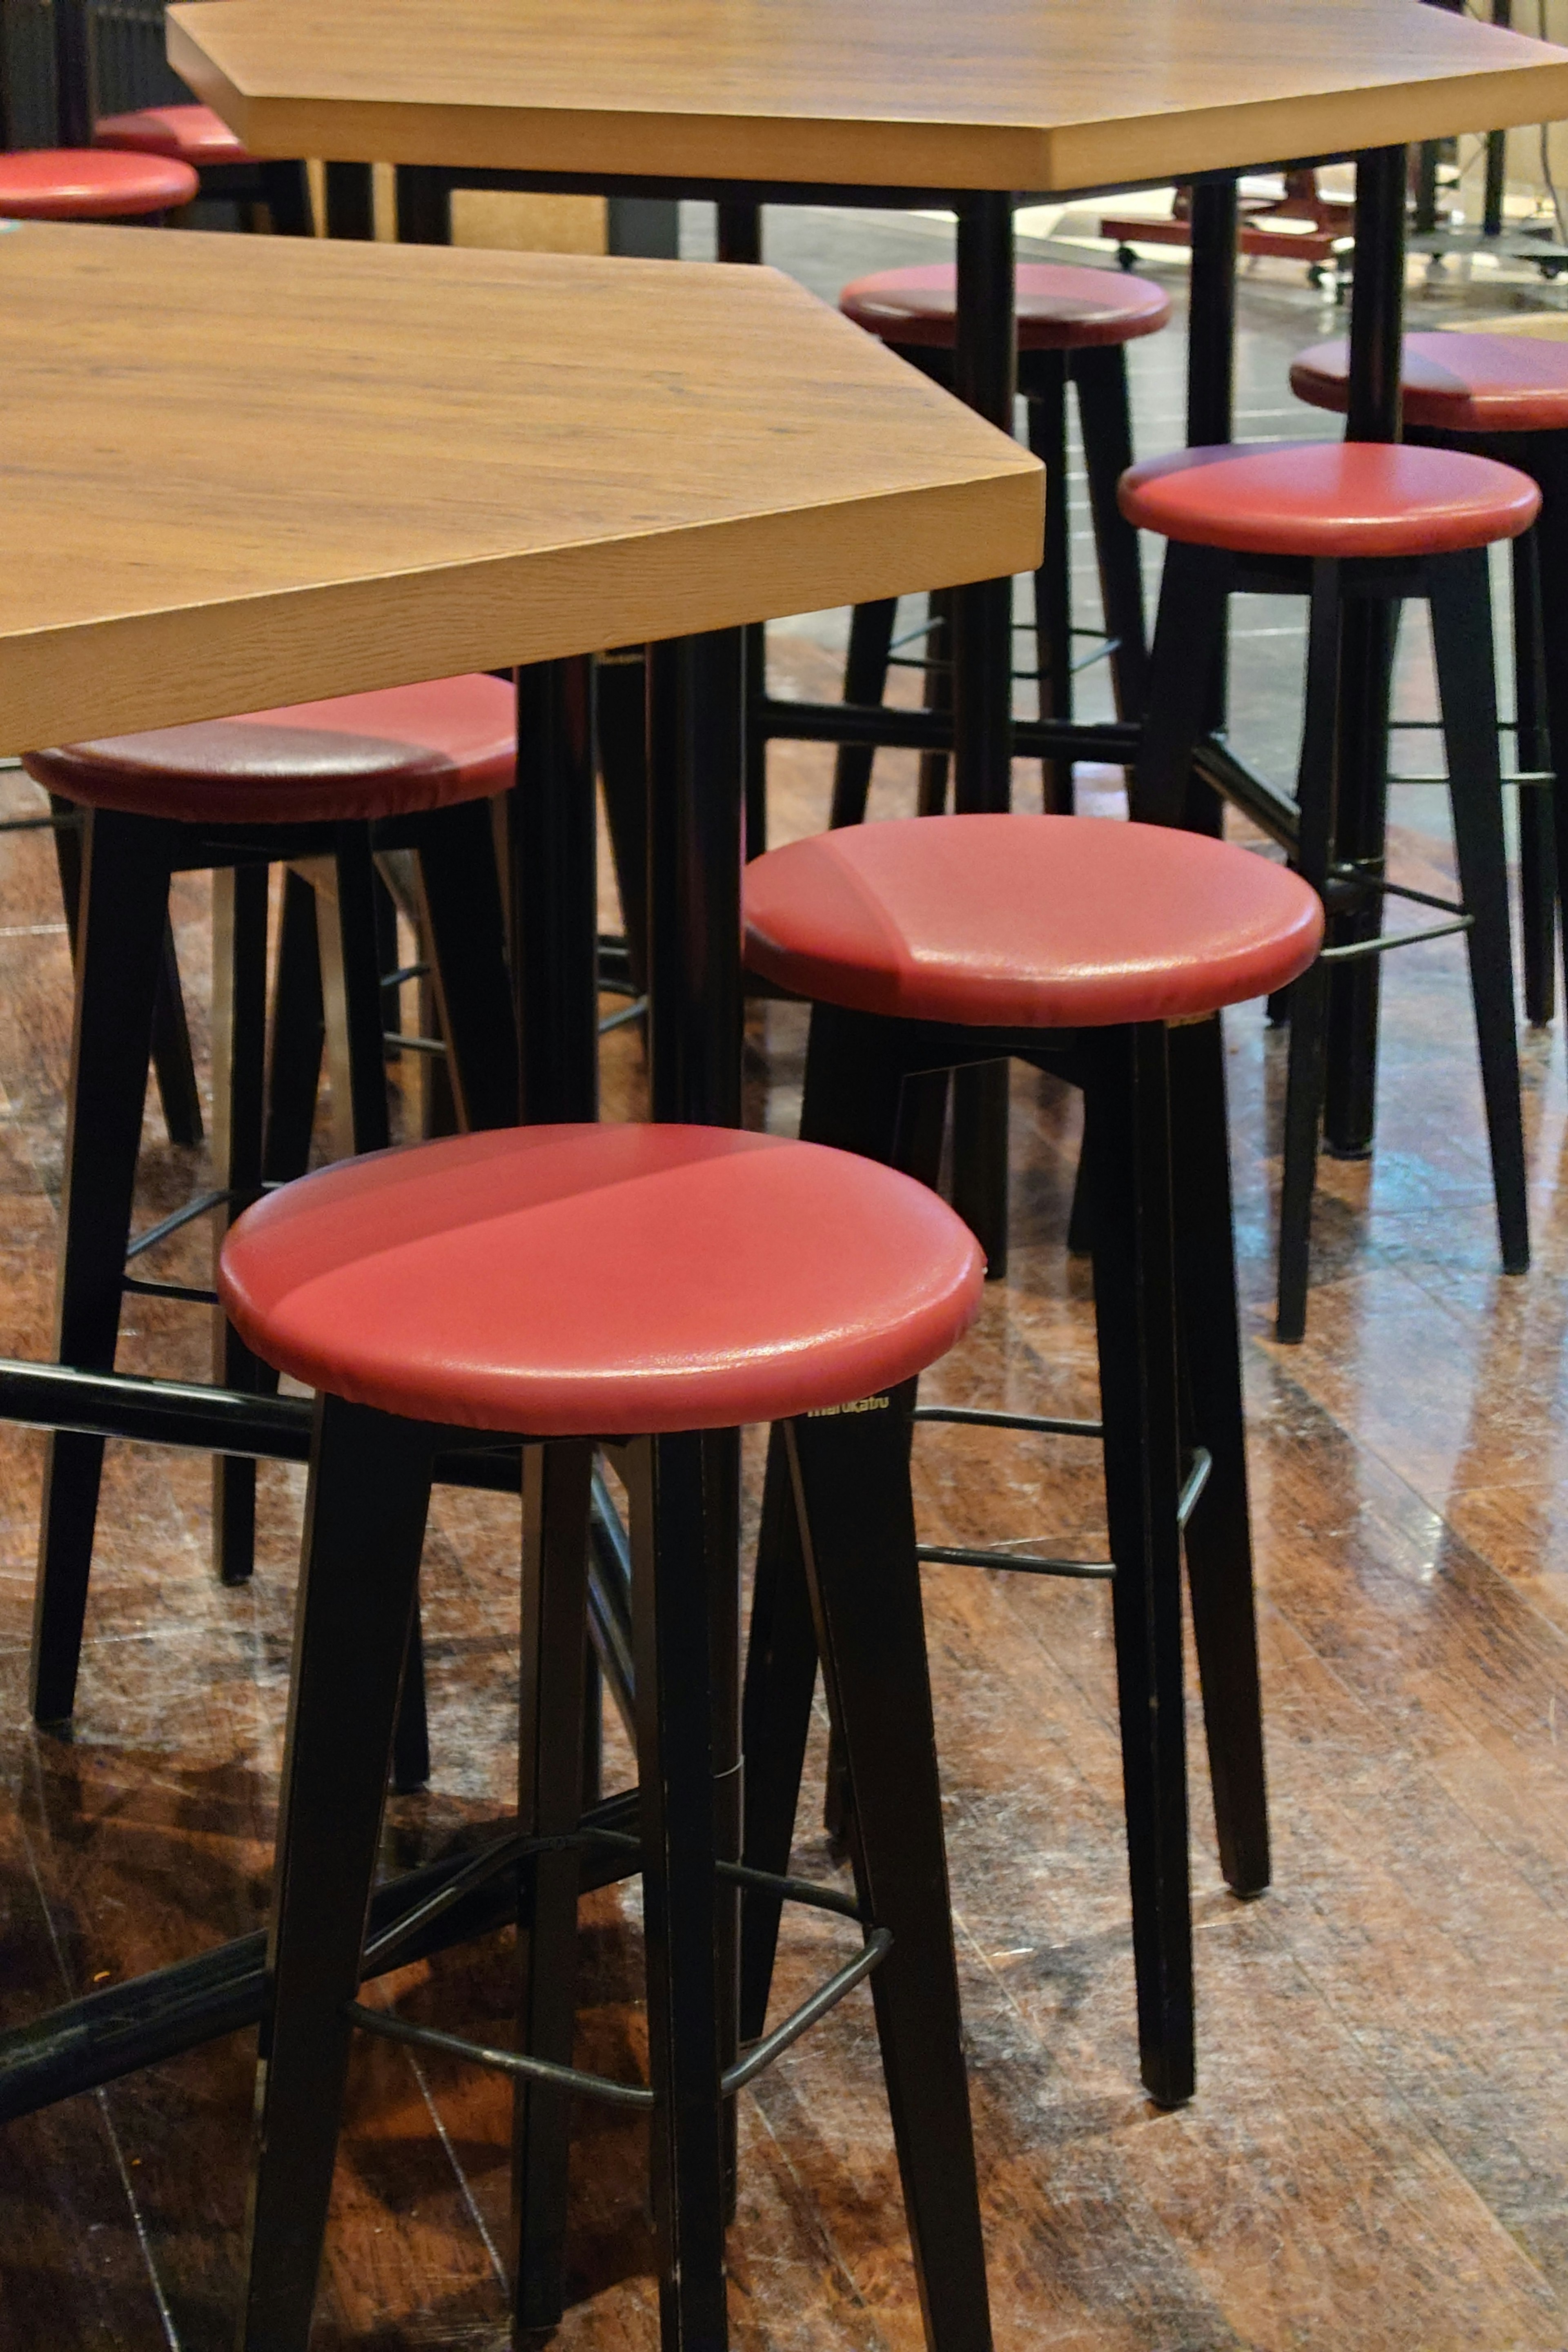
(1455, 383)
(1045, 922)
(1329, 499)
(89, 183)
(1060, 308)
(193, 134)
(602, 1280)
(360, 755)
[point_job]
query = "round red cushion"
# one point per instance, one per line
(600, 1281)
(89, 183)
(1039, 922)
(1060, 308)
(194, 134)
(1455, 383)
(360, 755)
(1329, 499)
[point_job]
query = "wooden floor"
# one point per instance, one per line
(1376, 2156)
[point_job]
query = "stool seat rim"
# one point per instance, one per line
(602, 1280)
(392, 753)
(1329, 499)
(90, 184)
(1059, 306)
(1459, 381)
(193, 134)
(1036, 922)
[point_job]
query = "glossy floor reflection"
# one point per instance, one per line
(1377, 2154)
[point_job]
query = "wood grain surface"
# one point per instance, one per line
(247, 470)
(1002, 94)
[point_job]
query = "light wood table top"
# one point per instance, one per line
(247, 470)
(998, 94)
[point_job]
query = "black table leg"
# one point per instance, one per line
(551, 826)
(697, 736)
(985, 369)
(1366, 654)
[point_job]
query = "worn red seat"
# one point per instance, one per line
(1338, 499)
(1060, 308)
(560, 1281)
(390, 753)
(1034, 921)
(90, 184)
(1458, 382)
(193, 134)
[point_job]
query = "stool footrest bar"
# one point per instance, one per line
(1031, 1563)
(1043, 1425)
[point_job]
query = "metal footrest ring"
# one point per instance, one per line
(504, 1854)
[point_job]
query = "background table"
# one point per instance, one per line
(748, 101)
(246, 471)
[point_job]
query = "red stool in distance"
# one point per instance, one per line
(1101, 951)
(196, 136)
(71, 184)
(1334, 520)
(641, 1288)
(1074, 325)
(1504, 396)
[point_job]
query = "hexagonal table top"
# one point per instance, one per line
(999, 94)
(240, 471)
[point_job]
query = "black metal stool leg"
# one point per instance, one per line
(1532, 750)
(1219, 1527)
(852, 1101)
(1047, 385)
(1550, 536)
(1306, 1071)
(1106, 425)
(364, 1526)
(555, 1509)
(931, 796)
(620, 711)
(239, 1058)
(864, 681)
(1135, 1293)
(671, 1574)
(459, 883)
(299, 1033)
(124, 903)
(1189, 641)
(1460, 594)
(852, 1487)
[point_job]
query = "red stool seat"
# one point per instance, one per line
(1455, 383)
(1329, 499)
(594, 1281)
(390, 753)
(90, 184)
(1040, 922)
(193, 134)
(1060, 308)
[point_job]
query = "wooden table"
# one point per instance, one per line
(793, 101)
(245, 471)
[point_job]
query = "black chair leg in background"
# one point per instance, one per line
(1460, 598)
(465, 924)
(864, 681)
(1106, 424)
(1048, 423)
(364, 1526)
(123, 915)
(239, 1055)
(1532, 750)
(1189, 637)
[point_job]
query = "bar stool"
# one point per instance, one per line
(572, 1285)
(413, 767)
(1102, 952)
(195, 135)
(1334, 522)
(1074, 326)
(63, 184)
(1503, 396)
